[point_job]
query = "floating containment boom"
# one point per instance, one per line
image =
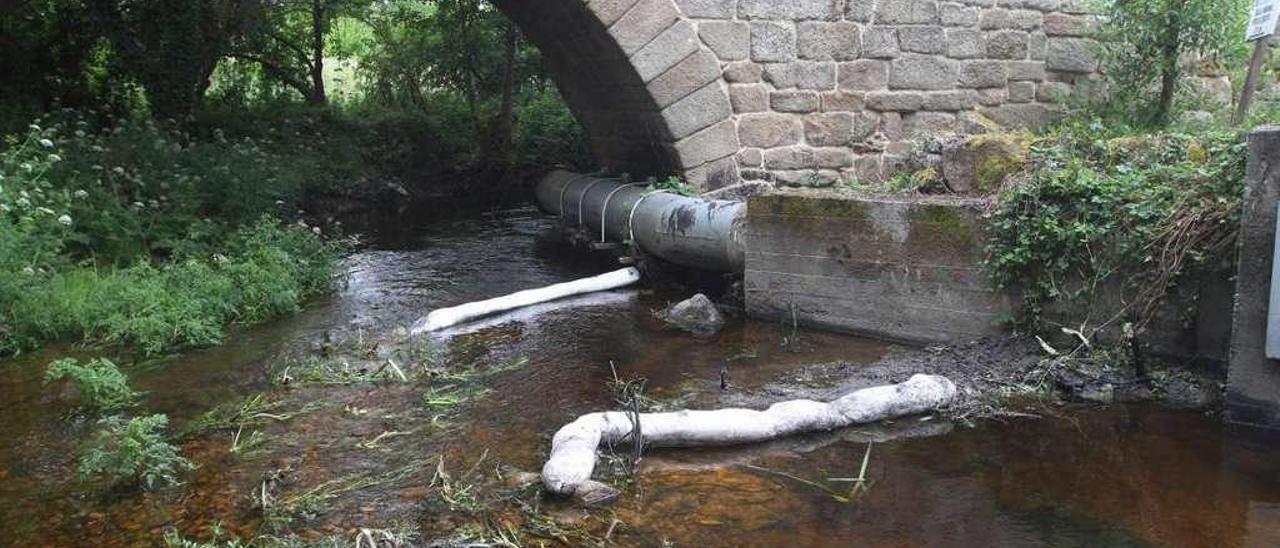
(448, 317)
(573, 449)
(689, 231)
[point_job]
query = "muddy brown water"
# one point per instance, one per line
(1116, 476)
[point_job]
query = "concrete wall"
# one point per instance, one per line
(911, 269)
(800, 90)
(894, 269)
(1253, 381)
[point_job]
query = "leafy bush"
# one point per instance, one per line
(102, 386)
(675, 185)
(1140, 209)
(134, 452)
(117, 191)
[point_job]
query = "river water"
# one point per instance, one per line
(1114, 476)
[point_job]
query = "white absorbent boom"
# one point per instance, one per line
(448, 317)
(573, 450)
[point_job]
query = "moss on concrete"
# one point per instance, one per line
(943, 228)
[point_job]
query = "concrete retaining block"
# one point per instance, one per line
(911, 269)
(883, 267)
(1253, 380)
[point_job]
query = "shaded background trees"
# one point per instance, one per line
(185, 162)
(459, 62)
(1147, 47)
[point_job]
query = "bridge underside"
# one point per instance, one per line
(631, 72)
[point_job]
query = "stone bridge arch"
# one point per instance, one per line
(646, 89)
(800, 90)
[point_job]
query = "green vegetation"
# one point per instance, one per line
(997, 156)
(903, 182)
(1140, 210)
(280, 510)
(674, 185)
(457, 65)
(133, 452)
(132, 234)
(366, 537)
(1148, 46)
(123, 452)
(101, 385)
(159, 157)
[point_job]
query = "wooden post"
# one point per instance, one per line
(1263, 19)
(1260, 48)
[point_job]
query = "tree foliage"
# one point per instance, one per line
(1147, 45)
(287, 40)
(459, 62)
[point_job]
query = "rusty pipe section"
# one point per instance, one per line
(689, 231)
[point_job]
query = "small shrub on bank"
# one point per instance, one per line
(133, 452)
(82, 188)
(1139, 209)
(101, 385)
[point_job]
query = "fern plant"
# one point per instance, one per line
(134, 452)
(102, 386)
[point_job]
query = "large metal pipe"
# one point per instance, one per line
(694, 232)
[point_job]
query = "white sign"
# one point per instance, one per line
(1262, 22)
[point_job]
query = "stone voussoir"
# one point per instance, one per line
(697, 110)
(665, 51)
(687, 76)
(642, 23)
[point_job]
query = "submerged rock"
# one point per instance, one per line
(1187, 393)
(593, 493)
(519, 479)
(1096, 383)
(697, 315)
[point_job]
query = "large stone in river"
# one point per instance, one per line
(697, 315)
